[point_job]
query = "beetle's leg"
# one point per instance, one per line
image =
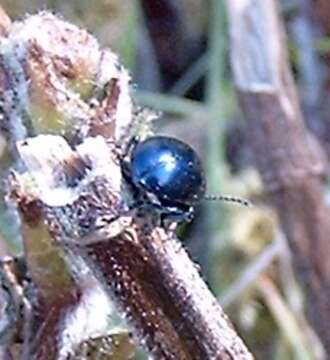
(176, 215)
(134, 140)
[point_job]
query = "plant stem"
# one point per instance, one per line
(216, 110)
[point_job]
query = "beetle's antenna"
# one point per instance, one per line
(229, 198)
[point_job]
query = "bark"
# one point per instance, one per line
(290, 161)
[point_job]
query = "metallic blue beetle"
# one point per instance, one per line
(166, 175)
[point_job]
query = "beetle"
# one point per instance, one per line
(166, 176)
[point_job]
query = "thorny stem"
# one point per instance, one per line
(157, 287)
(163, 295)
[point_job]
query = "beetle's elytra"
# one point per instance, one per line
(166, 175)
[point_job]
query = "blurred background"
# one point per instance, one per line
(178, 56)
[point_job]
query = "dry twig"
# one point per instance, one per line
(289, 159)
